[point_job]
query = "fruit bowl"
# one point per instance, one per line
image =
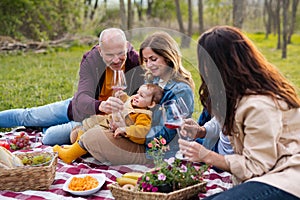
(35, 159)
(29, 177)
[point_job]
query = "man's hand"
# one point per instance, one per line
(112, 104)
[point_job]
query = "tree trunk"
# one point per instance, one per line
(87, 4)
(278, 24)
(293, 21)
(200, 16)
(186, 39)
(268, 16)
(238, 13)
(179, 17)
(93, 11)
(129, 15)
(139, 7)
(123, 15)
(149, 8)
(285, 7)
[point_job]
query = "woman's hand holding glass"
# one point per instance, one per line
(193, 151)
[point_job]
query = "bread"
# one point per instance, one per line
(9, 160)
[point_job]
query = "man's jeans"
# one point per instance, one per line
(53, 117)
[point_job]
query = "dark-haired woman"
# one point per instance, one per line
(260, 113)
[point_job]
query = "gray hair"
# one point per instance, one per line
(110, 33)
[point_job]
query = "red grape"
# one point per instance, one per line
(20, 141)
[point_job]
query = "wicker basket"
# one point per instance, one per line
(185, 193)
(28, 177)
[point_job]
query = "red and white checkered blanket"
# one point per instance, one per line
(216, 182)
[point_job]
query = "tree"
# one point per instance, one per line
(139, 7)
(293, 20)
(38, 20)
(278, 26)
(149, 8)
(268, 16)
(93, 10)
(123, 15)
(238, 14)
(200, 16)
(285, 7)
(179, 17)
(129, 15)
(185, 39)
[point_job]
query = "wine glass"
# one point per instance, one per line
(184, 112)
(171, 115)
(182, 107)
(118, 83)
(173, 120)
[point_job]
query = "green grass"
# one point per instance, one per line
(28, 79)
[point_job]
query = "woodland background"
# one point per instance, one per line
(39, 20)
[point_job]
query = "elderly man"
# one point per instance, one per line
(94, 93)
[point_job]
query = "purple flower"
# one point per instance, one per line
(154, 189)
(183, 168)
(161, 177)
(149, 187)
(144, 185)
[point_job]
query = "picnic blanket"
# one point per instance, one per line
(216, 181)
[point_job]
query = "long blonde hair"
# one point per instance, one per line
(164, 45)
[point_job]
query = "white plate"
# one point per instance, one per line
(99, 177)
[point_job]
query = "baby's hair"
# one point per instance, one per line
(157, 92)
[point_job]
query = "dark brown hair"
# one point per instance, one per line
(243, 70)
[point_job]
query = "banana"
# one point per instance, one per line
(124, 180)
(133, 175)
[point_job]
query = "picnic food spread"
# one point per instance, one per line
(82, 184)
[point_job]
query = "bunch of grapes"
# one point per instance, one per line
(37, 160)
(21, 141)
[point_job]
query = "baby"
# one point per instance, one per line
(133, 122)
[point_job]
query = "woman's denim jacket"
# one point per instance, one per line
(172, 90)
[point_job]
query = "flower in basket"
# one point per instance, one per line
(157, 151)
(168, 176)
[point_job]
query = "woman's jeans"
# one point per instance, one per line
(52, 117)
(253, 190)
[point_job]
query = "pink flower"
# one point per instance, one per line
(163, 141)
(161, 177)
(150, 145)
(183, 168)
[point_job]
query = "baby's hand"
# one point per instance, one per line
(120, 132)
